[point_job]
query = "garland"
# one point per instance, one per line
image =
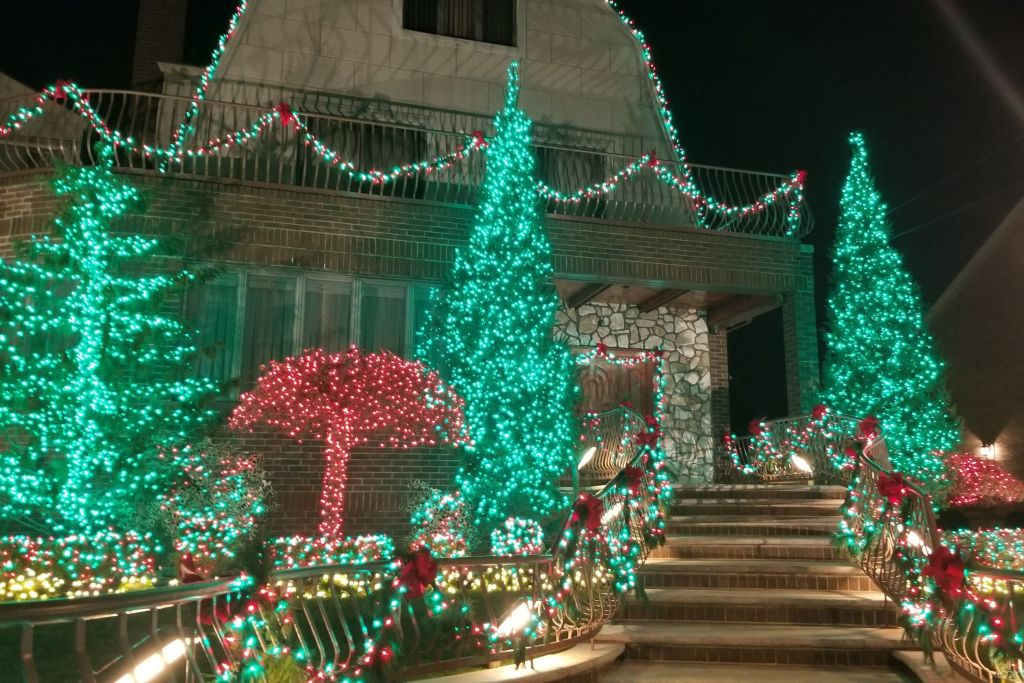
(767, 447)
(790, 190)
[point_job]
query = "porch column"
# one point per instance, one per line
(800, 332)
(718, 347)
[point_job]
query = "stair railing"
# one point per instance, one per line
(329, 618)
(893, 537)
(791, 449)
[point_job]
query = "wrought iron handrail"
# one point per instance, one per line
(330, 608)
(365, 134)
(792, 448)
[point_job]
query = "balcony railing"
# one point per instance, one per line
(378, 135)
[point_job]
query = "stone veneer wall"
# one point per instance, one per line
(683, 336)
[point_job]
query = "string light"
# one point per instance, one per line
(491, 333)
(976, 480)
(518, 536)
(84, 360)
(348, 399)
(880, 358)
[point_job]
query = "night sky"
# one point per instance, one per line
(769, 85)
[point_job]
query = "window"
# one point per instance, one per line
(246, 317)
(488, 21)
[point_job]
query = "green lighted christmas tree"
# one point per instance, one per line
(492, 336)
(880, 358)
(90, 366)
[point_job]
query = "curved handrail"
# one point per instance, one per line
(571, 591)
(893, 538)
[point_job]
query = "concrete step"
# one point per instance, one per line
(756, 643)
(689, 672)
(748, 506)
(748, 525)
(833, 575)
(779, 606)
(760, 492)
(729, 547)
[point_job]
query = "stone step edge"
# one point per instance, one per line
(714, 633)
(744, 540)
(771, 567)
(768, 597)
(582, 660)
(937, 671)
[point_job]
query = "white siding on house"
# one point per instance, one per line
(580, 67)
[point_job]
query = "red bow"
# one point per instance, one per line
(634, 479)
(627, 404)
(755, 426)
(801, 176)
(947, 570)
(819, 411)
(851, 456)
(648, 437)
(479, 141)
(286, 113)
(868, 429)
(602, 349)
(652, 159)
(60, 91)
(892, 487)
(417, 573)
(589, 510)
(727, 440)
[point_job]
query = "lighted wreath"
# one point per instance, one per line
(349, 399)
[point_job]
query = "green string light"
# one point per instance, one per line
(880, 358)
(88, 365)
(492, 335)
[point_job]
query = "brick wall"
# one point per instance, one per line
(379, 488)
(159, 37)
(416, 241)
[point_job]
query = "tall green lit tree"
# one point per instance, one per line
(92, 369)
(880, 357)
(491, 334)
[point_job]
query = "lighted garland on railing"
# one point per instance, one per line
(769, 447)
(945, 595)
(688, 183)
(703, 204)
(282, 113)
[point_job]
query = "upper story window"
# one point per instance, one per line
(487, 21)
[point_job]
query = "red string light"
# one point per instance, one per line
(349, 399)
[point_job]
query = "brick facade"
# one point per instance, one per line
(412, 240)
(159, 37)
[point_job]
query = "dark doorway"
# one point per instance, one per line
(757, 371)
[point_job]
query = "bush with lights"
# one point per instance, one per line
(441, 522)
(880, 358)
(213, 512)
(518, 536)
(491, 334)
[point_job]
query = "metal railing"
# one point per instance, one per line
(791, 449)
(893, 544)
(609, 434)
(378, 135)
(330, 610)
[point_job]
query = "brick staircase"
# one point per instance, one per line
(749, 587)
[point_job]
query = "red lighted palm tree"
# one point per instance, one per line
(349, 399)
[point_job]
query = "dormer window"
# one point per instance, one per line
(486, 21)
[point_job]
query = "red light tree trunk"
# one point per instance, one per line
(349, 399)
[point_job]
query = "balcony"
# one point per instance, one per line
(374, 134)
